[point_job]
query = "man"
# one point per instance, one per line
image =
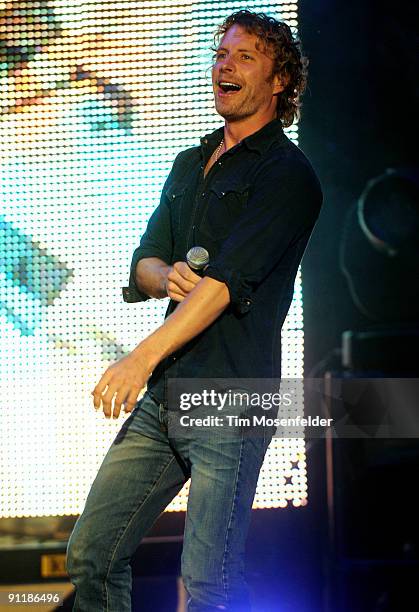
(251, 198)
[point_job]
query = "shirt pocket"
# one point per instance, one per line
(175, 194)
(225, 203)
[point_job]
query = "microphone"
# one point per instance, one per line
(198, 259)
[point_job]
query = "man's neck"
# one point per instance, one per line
(236, 131)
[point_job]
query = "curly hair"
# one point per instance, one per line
(286, 51)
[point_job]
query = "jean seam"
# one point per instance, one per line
(119, 537)
(228, 530)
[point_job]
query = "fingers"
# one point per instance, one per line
(177, 297)
(173, 290)
(180, 280)
(99, 389)
(107, 400)
(121, 390)
(176, 282)
(182, 268)
(126, 395)
(131, 401)
(121, 384)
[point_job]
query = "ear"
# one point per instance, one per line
(280, 82)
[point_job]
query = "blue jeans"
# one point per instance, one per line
(141, 473)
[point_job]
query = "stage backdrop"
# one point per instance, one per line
(97, 98)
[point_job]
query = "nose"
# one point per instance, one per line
(226, 72)
(226, 64)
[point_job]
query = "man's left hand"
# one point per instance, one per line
(124, 380)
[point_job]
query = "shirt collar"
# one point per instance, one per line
(259, 141)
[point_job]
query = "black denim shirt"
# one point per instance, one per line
(254, 212)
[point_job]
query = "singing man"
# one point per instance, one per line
(251, 198)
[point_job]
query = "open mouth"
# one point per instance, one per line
(228, 87)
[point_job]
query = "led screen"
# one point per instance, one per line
(97, 98)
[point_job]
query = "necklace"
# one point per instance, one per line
(218, 150)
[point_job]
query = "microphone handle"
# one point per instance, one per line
(198, 271)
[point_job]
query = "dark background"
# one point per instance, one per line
(359, 117)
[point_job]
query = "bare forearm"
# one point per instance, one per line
(195, 313)
(125, 379)
(150, 276)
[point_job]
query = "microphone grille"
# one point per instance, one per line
(197, 258)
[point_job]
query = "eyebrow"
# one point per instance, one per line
(246, 50)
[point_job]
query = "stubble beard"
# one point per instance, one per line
(241, 110)
(232, 116)
(238, 112)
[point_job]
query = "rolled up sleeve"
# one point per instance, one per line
(157, 241)
(284, 203)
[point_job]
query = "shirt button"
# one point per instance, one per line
(203, 194)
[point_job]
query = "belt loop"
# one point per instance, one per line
(162, 425)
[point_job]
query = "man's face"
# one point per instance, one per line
(239, 62)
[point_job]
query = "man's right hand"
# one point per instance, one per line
(180, 281)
